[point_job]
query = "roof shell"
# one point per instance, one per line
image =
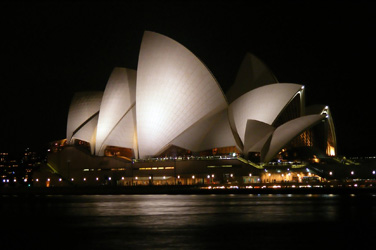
(210, 132)
(287, 132)
(220, 134)
(256, 135)
(174, 91)
(263, 104)
(84, 107)
(253, 73)
(118, 99)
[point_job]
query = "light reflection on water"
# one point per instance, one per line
(187, 221)
(197, 208)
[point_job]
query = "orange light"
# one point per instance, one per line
(330, 150)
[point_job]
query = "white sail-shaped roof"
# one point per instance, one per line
(123, 134)
(256, 135)
(220, 134)
(253, 73)
(287, 132)
(174, 91)
(116, 124)
(193, 137)
(87, 132)
(263, 104)
(210, 132)
(82, 115)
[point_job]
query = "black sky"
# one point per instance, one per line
(51, 50)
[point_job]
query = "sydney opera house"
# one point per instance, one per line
(169, 122)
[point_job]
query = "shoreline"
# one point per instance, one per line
(108, 190)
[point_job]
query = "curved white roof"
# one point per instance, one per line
(220, 134)
(288, 131)
(256, 135)
(253, 73)
(115, 111)
(210, 132)
(123, 134)
(262, 104)
(193, 136)
(82, 115)
(180, 103)
(87, 132)
(174, 91)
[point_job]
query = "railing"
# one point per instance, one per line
(345, 161)
(259, 166)
(52, 168)
(188, 158)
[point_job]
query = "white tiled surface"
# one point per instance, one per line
(262, 104)
(83, 106)
(174, 91)
(118, 98)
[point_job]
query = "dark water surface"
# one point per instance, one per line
(188, 222)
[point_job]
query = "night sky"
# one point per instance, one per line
(49, 51)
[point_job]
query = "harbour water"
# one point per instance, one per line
(188, 221)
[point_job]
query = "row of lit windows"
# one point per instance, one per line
(9, 166)
(156, 168)
(105, 169)
(123, 169)
(221, 166)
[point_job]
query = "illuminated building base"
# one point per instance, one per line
(73, 166)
